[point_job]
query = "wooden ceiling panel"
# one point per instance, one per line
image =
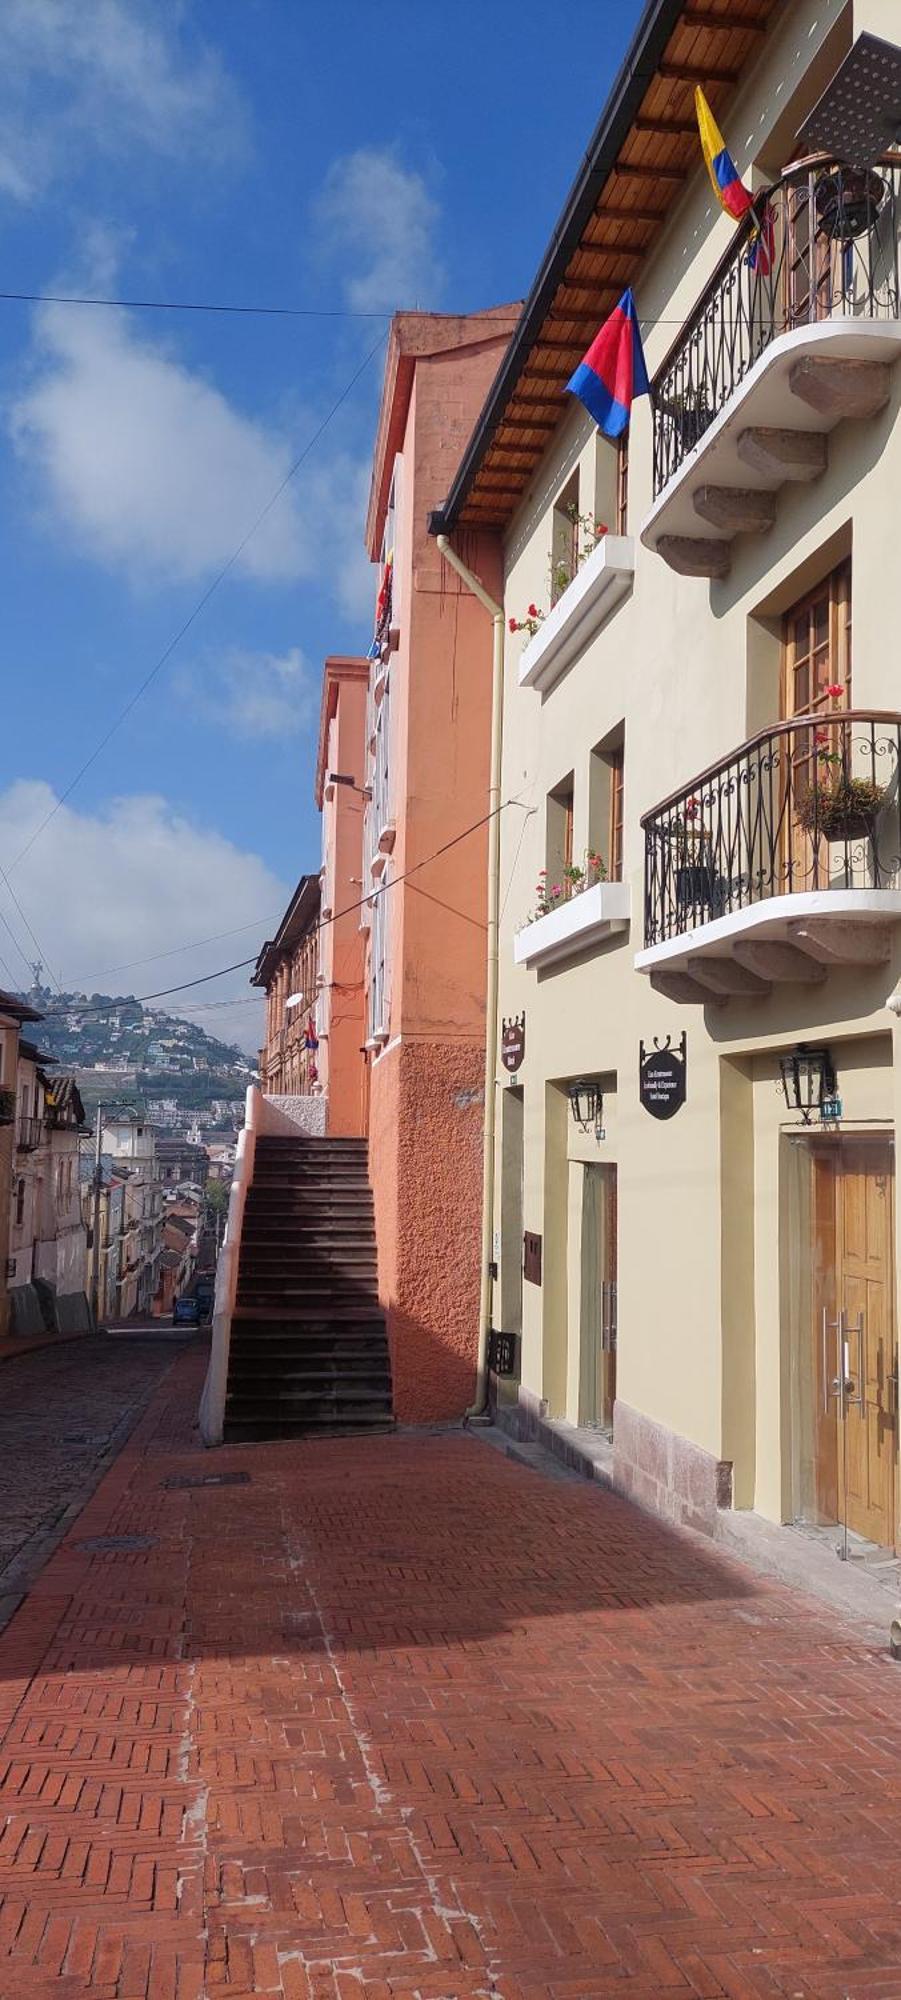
(712, 44)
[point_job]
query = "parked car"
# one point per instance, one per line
(186, 1312)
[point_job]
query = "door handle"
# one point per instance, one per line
(858, 1401)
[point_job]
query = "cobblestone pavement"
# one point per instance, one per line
(62, 1409)
(403, 1717)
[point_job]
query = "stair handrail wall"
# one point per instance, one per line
(212, 1401)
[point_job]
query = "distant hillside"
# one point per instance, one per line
(142, 1056)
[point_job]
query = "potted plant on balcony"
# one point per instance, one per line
(689, 415)
(694, 877)
(839, 806)
(848, 200)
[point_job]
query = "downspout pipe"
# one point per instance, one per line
(478, 1409)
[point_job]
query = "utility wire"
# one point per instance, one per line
(200, 606)
(324, 923)
(193, 306)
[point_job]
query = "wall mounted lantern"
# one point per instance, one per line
(808, 1079)
(586, 1102)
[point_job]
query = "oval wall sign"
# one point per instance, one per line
(513, 1042)
(661, 1077)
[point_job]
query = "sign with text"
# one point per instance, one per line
(513, 1043)
(661, 1077)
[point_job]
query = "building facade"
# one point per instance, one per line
(340, 1016)
(424, 859)
(47, 1243)
(131, 1145)
(696, 1230)
(288, 971)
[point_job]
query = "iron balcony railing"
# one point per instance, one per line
(810, 804)
(821, 242)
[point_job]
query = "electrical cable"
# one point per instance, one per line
(193, 306)
(324, 923)
(200, 606)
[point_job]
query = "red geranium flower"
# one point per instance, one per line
(835, 689)
(512, 625)
(533, 611)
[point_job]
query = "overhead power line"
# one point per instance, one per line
(192, 306)
(200, 606)
(241, 964)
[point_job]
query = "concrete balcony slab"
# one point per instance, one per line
(600, 583)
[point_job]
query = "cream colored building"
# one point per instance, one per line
(717, 1288)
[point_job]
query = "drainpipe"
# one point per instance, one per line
(495, 611)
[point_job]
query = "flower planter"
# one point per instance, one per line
(849, 812)
(847, 203)
(695, 886)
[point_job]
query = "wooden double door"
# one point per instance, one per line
(855, 1336)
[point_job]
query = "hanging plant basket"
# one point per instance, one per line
(846, 811)
(848, 201)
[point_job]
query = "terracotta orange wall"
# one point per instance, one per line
(426, 1087)
(343, 940)
(425, 1163)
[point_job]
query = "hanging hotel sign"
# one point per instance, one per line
(661, 1076)
(513, 1042)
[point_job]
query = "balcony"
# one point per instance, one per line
(784, 344)
(778, 864)
(587, 919)
(29, 1132)
(599, 584)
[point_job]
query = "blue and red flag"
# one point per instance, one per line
(613, 371)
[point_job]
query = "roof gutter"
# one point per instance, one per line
(640, 64)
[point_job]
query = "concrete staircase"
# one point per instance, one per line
(309, 1348)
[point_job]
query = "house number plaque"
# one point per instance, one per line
(661, 1076)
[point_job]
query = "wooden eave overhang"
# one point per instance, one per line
(641, 155)
(300, 918)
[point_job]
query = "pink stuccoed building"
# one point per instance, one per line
(426, 780)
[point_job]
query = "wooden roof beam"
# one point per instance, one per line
(628, 171)
(696, 72)
(750, 24)
(670, 128)
(608, 212)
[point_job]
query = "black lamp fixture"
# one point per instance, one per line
(808, 1079)
(586, 1102)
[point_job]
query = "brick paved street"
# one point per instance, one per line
(403, 1717)
(61, 1410)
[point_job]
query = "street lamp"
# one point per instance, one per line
(586, 1102)
(808, 1079)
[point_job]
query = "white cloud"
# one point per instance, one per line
(106, 77)
(251, 695)
(104, 889)
(377, 220)
(151, 469)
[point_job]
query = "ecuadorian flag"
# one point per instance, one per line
(613, 370)
(721, 167)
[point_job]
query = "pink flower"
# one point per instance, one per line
(691, 807)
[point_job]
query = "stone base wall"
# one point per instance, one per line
(657, 1469)
(666, 1474)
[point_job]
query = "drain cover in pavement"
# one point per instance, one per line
(110, 1545)
(208, 1479)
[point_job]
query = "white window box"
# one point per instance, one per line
(587, 919)
(599, 584)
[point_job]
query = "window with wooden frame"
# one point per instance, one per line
(565, 538)
(560, 817)
(605, 803)
(816, 681)
(816, 650)
(615, 848)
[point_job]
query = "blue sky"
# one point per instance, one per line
(261, 152)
